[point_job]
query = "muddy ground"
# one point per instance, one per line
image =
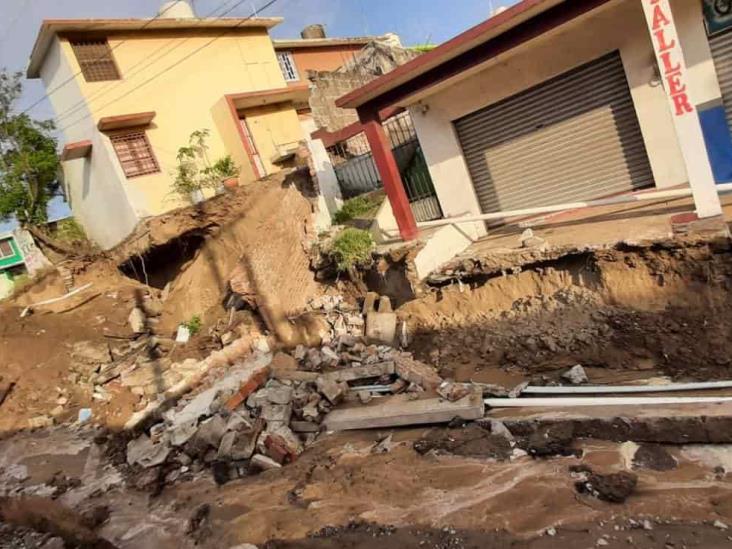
(625, 314)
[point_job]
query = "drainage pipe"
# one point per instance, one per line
(622, 199)
(619, 389)
(568, 402)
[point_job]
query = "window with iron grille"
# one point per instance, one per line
(95, 59)
(134, 153)
(6, 249)
(287, 66)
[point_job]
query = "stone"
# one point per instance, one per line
(381, 327)
(453, 391)
(182, 432)
(311, 411)
(498, 428)
(258, 399)
(143, 451)
(330, 356)
(313, 358)
(85, 414)
(210, 432)
(721, 525)
(281, 444)
(57, 412)
(260, 462)
(228, 338)
(331, 389)
(417, 372)
(276, 413)
(279, 394)
(365, 396)
(575, 375)
(299, 354)
(137, 320)
(369, 303)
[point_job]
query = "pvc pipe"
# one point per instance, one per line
(568, 402)
(623, 199)
(604, 389)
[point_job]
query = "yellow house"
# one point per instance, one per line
(127, 94)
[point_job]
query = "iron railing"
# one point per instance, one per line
(357, 174)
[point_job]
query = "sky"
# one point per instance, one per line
(415, 21)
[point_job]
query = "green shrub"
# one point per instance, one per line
(68, 230)
(352, 248)
(364, 205)
(193, 325)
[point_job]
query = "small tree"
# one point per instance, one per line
(29, 164)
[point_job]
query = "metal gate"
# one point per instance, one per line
(574, 137)
(721, 46)
(357, 174)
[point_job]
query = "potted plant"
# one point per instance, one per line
(194, 171)
(227, 171)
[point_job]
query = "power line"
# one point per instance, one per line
(131, 72)
(49, 93)
(181, 60)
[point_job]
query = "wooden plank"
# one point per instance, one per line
(397, 412)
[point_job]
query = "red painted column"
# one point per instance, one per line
(389, 172)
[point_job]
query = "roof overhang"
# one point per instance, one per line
(294, 94)
(134, 120)
(524, 21)
(79, 149)
(303, 43)
(52, 27)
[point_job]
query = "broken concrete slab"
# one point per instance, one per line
(417, 372)
(143, 451)
(276, 413)
(332, 390)
(361, 372)
(137, 320)
(576, 375)
(397, 411)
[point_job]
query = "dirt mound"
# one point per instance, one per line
(662, 309)
(468, 441)
(613, 488)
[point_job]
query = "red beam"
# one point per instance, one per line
(331, 138)
(390, 177)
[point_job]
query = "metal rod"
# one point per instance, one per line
(623, 199)
(605, 389)
(567, 402)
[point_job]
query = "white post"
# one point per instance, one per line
(670, 58)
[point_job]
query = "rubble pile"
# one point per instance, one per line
(265, 411)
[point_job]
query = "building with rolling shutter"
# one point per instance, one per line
(560, 101)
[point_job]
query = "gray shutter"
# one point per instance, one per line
(721, 45)
(572, 138)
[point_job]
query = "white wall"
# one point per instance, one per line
(620, 26)
(94, 186)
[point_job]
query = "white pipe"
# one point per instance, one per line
(567, 402)
(623, 199)
(606, 389)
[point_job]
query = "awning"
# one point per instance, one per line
(297, 94)
(109, 123)
(79, 149)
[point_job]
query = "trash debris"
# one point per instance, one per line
(183, 335)
(85, 414)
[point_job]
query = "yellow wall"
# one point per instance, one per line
(185, 92)
(275, 128)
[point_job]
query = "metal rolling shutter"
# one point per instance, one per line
(574, 137)
(721, 45)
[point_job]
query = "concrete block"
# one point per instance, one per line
(331, 389)
(417, 372)
(361, 372)
(397, 412)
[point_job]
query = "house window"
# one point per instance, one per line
(287, 66)
(6, 249)
(95, 59)
(135, 153)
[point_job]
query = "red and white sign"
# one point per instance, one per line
(670, 58)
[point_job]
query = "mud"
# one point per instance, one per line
(613, 488)
(468, 441)
(367, 536)
(654, 457)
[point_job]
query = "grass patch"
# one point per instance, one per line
(352, 248)
(363, 206)
(194, 325)
(68, 230)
